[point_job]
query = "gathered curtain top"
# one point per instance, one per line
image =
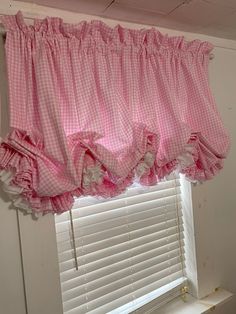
(98, 33)
(94, 109)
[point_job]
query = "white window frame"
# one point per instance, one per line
(40, 260)
(38, 238)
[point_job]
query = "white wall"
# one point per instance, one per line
(215, 227)
(11, 277)
(220, 194)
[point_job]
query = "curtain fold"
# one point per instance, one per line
(94, 108)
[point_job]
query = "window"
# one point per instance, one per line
(129, 249)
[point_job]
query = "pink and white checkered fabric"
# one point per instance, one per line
(94, 108)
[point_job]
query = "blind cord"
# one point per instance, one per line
(184, 289)
(73, 239)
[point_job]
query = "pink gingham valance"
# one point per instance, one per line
(95, 108)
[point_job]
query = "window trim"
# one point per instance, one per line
(199, 245)
(39, 251)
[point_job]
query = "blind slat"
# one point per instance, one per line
(110, 274)
(111, 213)
(133, 213)
(98, 237)
(84, 230)
(161, 231)
(164, 255)
(116, 289)
(113, 306)
(132, 192)
(124, 247)
(70, 274)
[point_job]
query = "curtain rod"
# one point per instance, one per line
(3, 33)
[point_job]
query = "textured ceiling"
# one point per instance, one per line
(211, 17)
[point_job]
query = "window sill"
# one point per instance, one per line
(192, 305)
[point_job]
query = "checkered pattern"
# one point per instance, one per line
(90, 103)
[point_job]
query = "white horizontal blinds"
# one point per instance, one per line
(126, 248)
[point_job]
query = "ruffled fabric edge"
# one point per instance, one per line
(18, 173)
(97, 32)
